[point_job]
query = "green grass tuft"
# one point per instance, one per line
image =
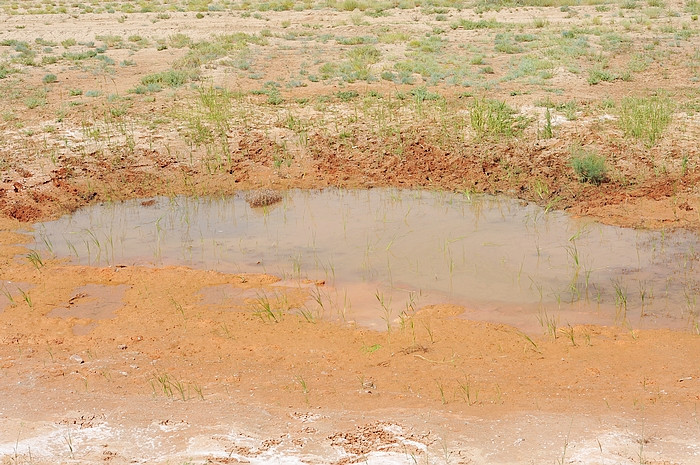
(645, 118)
(588, 165)
(494, 118)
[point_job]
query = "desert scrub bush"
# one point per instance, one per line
(357, 67)
(588, 165)
(238, 40)
(393, 37)
(49, 59)
(110, 40)
(179, 40)
(645, 118)
(364, 54)
(170, 78)
(693, 7)
(347, 95)
(142, 90)
(421, 94)
(638, 63)
(5, 70)
(428, 65)
(356, 40)
(38, 99)
(45, 43)
(596, 75)
(427, 44)
(204, 52)
(494, 118)
(106, 60)
(49, 78)
(527, 66)
(79, 56)
(470, 25)
(615, 43)
(26, 54)
(504, 43)
(271, 89)
(138, 41)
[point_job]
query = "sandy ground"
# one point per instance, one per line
(73, 148)
(162, 377)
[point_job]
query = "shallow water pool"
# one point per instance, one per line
(382, 252)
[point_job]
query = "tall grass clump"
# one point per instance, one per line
(645, 118)
(588, 165)
(493, 118)
(360, 60)
(5, 70)
(209, 122)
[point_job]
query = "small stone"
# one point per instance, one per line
(77, 359)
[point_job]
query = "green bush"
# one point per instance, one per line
(470, 25)
(49, 78)
(347, 95)
(422, 93)
(170, 78)
(596, 75)
(78, 56)
(5, 70)
(588, 166)
(179, 40)
(37, 100)
(504, 43)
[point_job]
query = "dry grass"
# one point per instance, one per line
(263, 198)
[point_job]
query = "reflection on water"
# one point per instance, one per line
(384, 251)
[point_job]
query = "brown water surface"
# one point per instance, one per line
(382, 252)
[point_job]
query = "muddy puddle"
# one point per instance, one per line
(89, 303)
(383, 252)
